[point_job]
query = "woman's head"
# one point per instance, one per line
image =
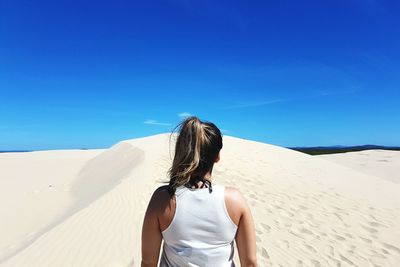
(197, 148)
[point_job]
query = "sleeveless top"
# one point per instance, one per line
(201, 232)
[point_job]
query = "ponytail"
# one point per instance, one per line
(196, 150)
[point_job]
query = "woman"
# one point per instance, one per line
(197, 219)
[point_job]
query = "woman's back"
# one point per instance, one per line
(197, 222)
(201, 232)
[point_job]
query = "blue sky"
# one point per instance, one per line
(87, 74)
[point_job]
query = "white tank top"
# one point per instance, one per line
(201, 232)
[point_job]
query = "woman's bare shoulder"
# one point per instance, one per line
(159, 198)
(233, 194)
(235, 204)
(234, 197)
(162, 190)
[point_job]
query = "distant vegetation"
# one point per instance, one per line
(319, 150)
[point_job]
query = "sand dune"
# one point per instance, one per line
(56, 186)
(380, 163)
(308, 210)
(35, 191)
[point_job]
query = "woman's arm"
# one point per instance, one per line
(245, 236)
(151, 234)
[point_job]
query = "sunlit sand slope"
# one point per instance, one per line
(308, 211)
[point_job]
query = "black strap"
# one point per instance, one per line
(194, 182)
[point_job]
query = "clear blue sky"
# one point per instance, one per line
(87, 74)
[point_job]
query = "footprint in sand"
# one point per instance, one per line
(309, 247)
(338, 216)
(277, 224)
(385, 251)
(285, 213)
(369, 229)
(378, 255)
(253, 196)
(314, 263)
(351, 249)
(284, 244)
(266, 227)
(330, 250)
(339, 238)
(376, 224)
(345, 259)
(268, 210)
(288, 224)
(300, 232)
(305, 231)
(264, 253)
(349, 235)
(391, 247)
(366, 240)
(299, 263)
(301, 207)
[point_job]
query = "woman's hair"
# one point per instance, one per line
(196, 150)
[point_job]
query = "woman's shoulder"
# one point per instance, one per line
(161, 193)
(235, 204)
(233, 192)
(162, 189)
(234, 196)
(159, 198)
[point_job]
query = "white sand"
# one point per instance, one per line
(308, 211)
(380, 163)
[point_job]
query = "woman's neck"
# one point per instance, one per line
(208, 176)
(199, 182)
